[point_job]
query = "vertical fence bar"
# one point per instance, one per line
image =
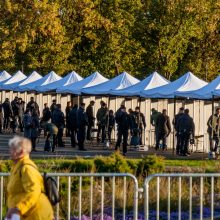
(168, 202)
(80, 198)
(201, 198)
(212, 198)
(113, 198)
(158, 198)
(124, 197)
(58, 206)
(102, 199)
(190, 198)
(68, 197)
(91, 196)
(146, 201)
(179, 198)
(1, 198)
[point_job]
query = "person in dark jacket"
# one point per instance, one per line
(175, 123)
(20, 113)
(35, 125)
(15, 109)
(59, 120)
(1, 118)
(73, 125)
(46, 114)
(53, 106)
(27, 124)
(101, 119)
(82, 122)
(110, 122)
(91, 119)
(33, 105)
(163, 129)
(214, 129)
(67, 110)
(186, 128)
(124, 124)
(8, 113)
(139, 122)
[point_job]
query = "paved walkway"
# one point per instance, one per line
(92, 150)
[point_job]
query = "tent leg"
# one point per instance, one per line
(174, 113)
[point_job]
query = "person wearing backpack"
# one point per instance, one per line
(26, 194)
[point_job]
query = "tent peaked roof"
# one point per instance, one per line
(122, 81)
(34, 76)
(205, 92)
(187, 82)
(68, 79)
(215, 90)
(4, 75)
(154, 80)
(76, 88)
(33, 86)
(17, 77)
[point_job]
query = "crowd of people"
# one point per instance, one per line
(79, 123)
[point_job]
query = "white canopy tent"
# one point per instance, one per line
(205, 92)
(4, 75)
(76, 88)
(31, 78)
(154, 80)
(17, 77)
(186, 83)
(67, 80)
(46, 80)
(124, 80)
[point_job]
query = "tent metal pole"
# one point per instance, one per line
(174, 113)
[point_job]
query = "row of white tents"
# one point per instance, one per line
(153, 86)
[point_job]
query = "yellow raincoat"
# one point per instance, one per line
(26, 192)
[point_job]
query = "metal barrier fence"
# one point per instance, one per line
(90, 185)
(194, 194)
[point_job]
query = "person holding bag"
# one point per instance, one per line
(26, 192)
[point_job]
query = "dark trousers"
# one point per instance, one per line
(73, 137)
(81, 135)
(89, 129)
(110, 133)
(124, 134)
(60, 137)
(33, 142)
(101, 128)
(20, 123)
(184, 142)
(161, 136)
(6, 122)
(178, 143)
(54, 143)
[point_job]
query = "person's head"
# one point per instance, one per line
(103, 104)
(27, 111)
(75, 106)
(68, 104)
(137, 109)
(16, 98)
(34, 112)
(123, 108)
(20, 100)
(82, 105)
(111, 112)
(19, 147)
(217, 111)
(164, 111)
(130, 110)
(186, 111)
(181, 110)
(32, 99)
(153, 110)
(54, 101)
(45, 105)
(7, 100)
(58, 106)
(92, 103)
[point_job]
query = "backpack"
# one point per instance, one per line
(50, 186)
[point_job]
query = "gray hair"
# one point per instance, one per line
(18, 143)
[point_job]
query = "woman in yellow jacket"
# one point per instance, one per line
(26, 195)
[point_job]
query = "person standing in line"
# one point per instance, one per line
(91, 119)
(15, 109)
(27, 124)
(26, 195)
(110, 121)
(67, 110)
(46, 116)
(124, 124)
(153, 119)
(59, 120)
(175, 122)
(163, 129)
(82, 122)
(1, 118)
(101, 119)
(52, 131)
(8, 113)
(139, 122)
(33, 105)
(186, 128)
(35, 125)
(214, 130)
(73, 125)
(20, 114)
